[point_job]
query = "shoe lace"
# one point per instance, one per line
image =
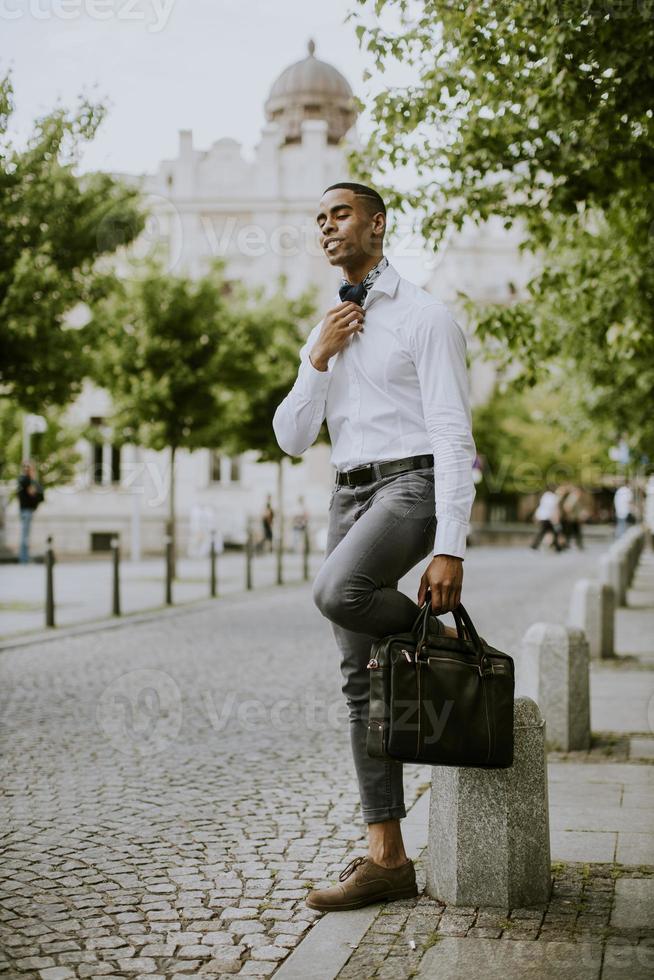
(351, 868)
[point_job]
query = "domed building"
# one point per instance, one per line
(311, 89)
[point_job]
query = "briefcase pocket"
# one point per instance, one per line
(376, 740)
(455, 726)
(378, 715)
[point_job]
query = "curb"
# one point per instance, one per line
(327, 947)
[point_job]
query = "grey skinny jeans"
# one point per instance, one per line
(377, 533)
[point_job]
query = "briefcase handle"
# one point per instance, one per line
(464, 627)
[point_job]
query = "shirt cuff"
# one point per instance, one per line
(313, 381)
(450, 538)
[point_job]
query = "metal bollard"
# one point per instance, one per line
(169, 569)
(306, 551)
(115, 558)
(280, 556)
(212, 563)
(249, 548)
(49, 583)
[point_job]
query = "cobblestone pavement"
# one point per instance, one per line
(171, 789)
(583, 909)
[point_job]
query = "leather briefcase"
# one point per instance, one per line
(442, 700)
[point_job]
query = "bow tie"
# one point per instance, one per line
(354, 294)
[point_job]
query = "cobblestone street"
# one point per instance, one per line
(172, 789)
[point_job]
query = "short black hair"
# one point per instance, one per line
(361, 191)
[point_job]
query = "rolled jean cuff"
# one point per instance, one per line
(381, 814)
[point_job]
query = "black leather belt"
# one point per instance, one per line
(375, 471)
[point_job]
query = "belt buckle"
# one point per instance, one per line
(348, 474)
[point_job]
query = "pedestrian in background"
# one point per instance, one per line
(572, 515)
(30, 495)
(548, 517)
(267, 521)
(300, 525)
(623, 501)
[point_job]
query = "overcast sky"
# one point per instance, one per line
(165, 65)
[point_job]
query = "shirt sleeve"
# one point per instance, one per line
(297, 420)
(438, 348)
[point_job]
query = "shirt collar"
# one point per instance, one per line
(387, 282)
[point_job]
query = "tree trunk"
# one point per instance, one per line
(172, 530)
(280, 521)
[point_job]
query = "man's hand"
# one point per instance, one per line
(337, 328)
(443, 577)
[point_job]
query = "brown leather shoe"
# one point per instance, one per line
(363, 883)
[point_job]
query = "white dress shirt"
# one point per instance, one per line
(399, 388)
(548, 507)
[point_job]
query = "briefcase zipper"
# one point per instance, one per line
(373, 663)
(462, 663)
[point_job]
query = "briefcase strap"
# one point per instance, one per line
(464, 627)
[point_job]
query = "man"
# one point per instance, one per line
(622, 504)
(300, 525)
(30, 495)
(548, 517)
(395, 396)
(267, 519)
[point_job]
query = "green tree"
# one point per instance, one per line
(530, 438)
(279, 323)
(171, 353)
(55, 226)
(538, 113)
(53, 452)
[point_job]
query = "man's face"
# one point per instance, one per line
(349, 230)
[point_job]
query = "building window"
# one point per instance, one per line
(97, 440)
(214, 466)
(115, 464)
(105, 457)
(234, 469)
(224, 469)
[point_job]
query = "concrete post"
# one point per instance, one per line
(592, 609)
(611, 572)
(489, 841)
(552, 668)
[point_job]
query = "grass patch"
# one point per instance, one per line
(18, 606)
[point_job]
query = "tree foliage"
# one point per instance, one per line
(279, 321)
(538, 112)
(170, 352)
(196, 363)
(528, 439)
(55, 226)
(54, 452)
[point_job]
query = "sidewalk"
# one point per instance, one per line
(599, 922)
(83, 589)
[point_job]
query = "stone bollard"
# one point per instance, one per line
(489, 841)
(612, 572)
(553, 668)
(592, 609)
